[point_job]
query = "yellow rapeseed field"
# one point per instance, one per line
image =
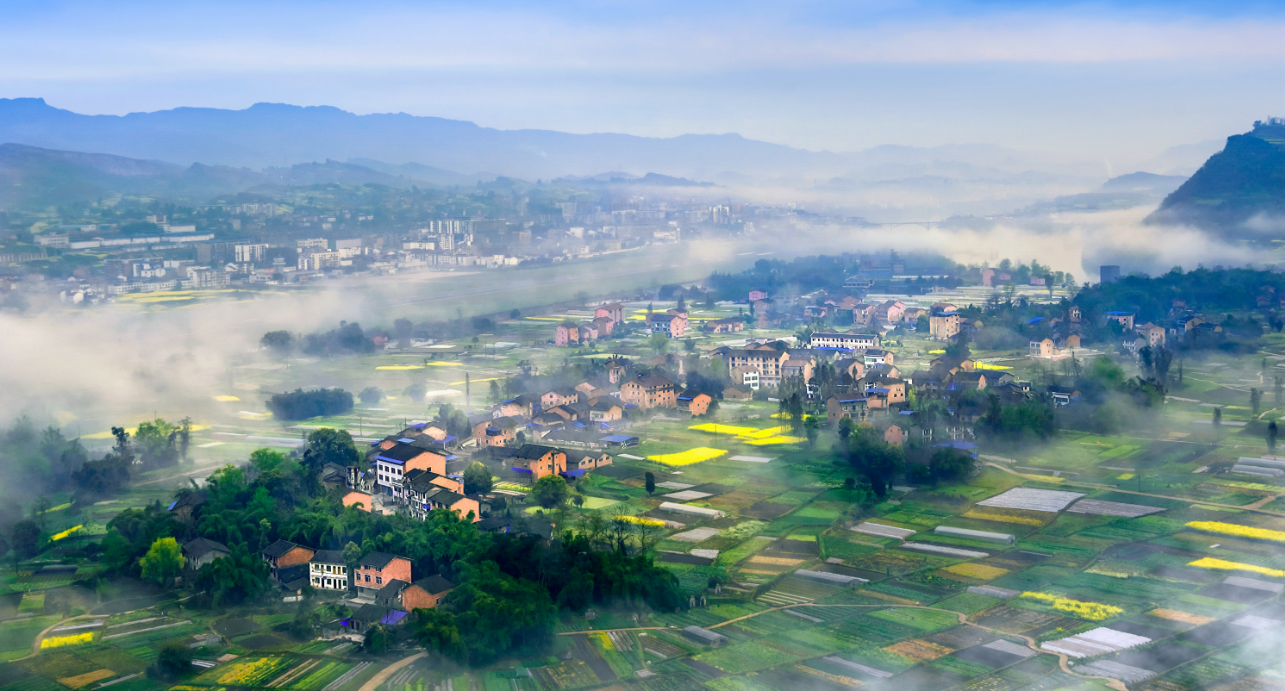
(1003, 518)
(58, 536)
(775, 440)
(1223, 565)
(1093, 611)
(226, 399)
(64, 641)
(715, 428)
(639, 520)
(688, 457)
(1237, 530)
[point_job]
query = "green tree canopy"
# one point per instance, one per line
(550, 491)
(163, 562)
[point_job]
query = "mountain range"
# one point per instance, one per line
(452, 151)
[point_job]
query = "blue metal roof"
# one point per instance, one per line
(1034, 320)
(961, 445)
(406, 440)
(578, 472)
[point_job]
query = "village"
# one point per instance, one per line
(789, 489)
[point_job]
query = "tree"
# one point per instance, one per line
(515, 313)
(184, 437)
(326, 445)
(1255, 400)
(279, 342)
(163, 562)
(658, 342)
(437, 630)
(495, 396)
(352, 554)
(301, 405)
(1278, 388)
(403, 328)
(812, 428)
(1271, 436)
(26, 538)
(649, 480)
(1218, 423)
(416, 391)
(173, 662)
(371, 395)
(377, 640)
(39, 509)
(550, 491)
(477, 478)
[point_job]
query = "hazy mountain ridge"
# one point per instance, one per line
(276, 135)
(32, 177)
(1242, 183)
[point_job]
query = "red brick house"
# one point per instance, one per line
(649, 392)
(587, 460)
(283, 553)
(566, 333)
(360, 499)
(604, 325)
(613, 311)
(377, 569)
(672, 324)
(499, 431)
(557, 397)
(722, 326)
(426, 593)
(540, 460)
(694, 402)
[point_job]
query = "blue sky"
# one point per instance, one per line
(1113, 81)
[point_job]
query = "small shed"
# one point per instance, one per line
(704, 636)
(975, 534)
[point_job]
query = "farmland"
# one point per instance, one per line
(1139, 531)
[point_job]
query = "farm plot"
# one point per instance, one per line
(1111, 508)
(1030, 499)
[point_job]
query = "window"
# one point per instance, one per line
(379, 580)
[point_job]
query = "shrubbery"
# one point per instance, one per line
(301, 405)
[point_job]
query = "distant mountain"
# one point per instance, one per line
(36, 178)
(619, 178)
(419, 171)
(266, 135)
(1243, 182)
(1183, 159)
(1145, 182)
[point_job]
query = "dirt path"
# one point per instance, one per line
(35, 645)
(383, 674)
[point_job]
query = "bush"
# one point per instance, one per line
(301, 405)
(371, 395)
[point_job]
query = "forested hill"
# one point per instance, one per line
(1237, 190)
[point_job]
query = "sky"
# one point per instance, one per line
(1113, 81)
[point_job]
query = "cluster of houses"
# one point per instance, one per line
(383, 584)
